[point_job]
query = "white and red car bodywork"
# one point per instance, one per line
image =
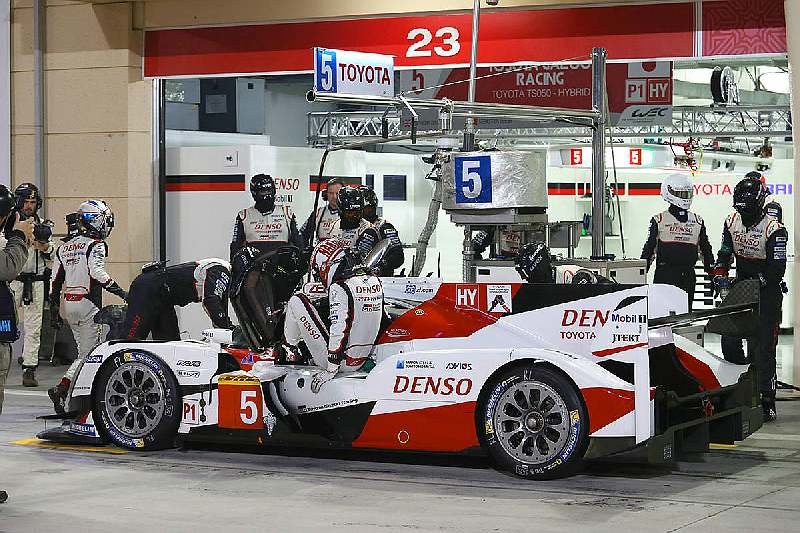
(433, 362)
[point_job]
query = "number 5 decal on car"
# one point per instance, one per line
(473, 179)
(240, 403)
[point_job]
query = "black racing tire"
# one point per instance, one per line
(136, 401)
(521, 436)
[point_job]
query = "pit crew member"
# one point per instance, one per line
(30, 286)
(351, 227)
(264, 226)
(535, 265)
(394, 255)
(314, 232)
(355, 306)
(757, 242)
(509, 243)
(79, 275)
(676, 236)
(158, 289)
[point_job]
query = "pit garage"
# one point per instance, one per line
(502, 142)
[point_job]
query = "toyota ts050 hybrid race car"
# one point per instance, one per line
(539, 377)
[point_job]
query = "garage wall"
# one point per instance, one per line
(98, 119)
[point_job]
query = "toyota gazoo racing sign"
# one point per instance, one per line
(345, 72)
(647, 96)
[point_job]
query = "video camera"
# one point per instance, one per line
(42, 231)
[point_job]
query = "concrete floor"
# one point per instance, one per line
(752, 487)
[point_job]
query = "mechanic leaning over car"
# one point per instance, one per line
(356, 309)
(19, 236)
(535, 265)
(352, 228)
(31, 285)
(158, 289)
(393, 259)
(264, 226)
(676, 236)
(314, 231)
(79, 276)
(758, 244)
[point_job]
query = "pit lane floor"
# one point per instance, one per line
(754, 486)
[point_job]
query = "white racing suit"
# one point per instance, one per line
(30, 306)
(266, 232)
(323, 226)
(361, 239)
(356, 310)
(79, 268)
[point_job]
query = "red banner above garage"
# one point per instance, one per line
(672, 30)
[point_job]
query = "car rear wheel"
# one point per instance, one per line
(135, 401)
(533, 422)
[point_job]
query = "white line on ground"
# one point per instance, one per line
(26, 393)
(773, 436)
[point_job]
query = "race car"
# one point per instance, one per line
(538, 377)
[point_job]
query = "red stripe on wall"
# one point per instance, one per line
(180, 187)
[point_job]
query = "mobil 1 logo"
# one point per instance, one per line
(473, 179)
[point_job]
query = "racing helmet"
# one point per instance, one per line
(7, 201)
(760, 177)
(534, 264)
(332, 260)
(27, 191)
(589, 277)
(676, 189)
(749, 196)
(370, 203)
(95, 219)
(262, 188)
(351, 206)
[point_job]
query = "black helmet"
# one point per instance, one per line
(748, 199)
(351, 206)
(7, 201)
(370, 203)
(27, 191)
(262, 187)
(533, 263)
(587, 277)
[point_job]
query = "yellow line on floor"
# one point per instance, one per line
(39, 443)
(715, 446)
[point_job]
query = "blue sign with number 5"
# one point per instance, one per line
(325, 73)
(473, 179)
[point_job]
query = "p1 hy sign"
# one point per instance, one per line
(344, 72)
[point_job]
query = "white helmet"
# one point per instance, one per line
(677, 190)
(96, 218)
(332, 260)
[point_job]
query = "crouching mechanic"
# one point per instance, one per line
(394, 257)
(758, 243)
(79, 272)
(355, 307)
(535, 265)
(676, 236)
(158, 289)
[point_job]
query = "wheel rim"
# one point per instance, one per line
(134, 399)
(531, 422)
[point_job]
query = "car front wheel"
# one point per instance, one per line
(136, 402)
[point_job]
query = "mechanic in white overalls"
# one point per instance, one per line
(352, 228)
(355, 306)
(535, 265)
(264, 226)
(79, 277)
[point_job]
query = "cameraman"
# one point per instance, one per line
(31, 285)
(12, 258)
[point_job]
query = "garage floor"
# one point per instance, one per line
(752, 487)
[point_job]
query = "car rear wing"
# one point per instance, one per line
(736, 316)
